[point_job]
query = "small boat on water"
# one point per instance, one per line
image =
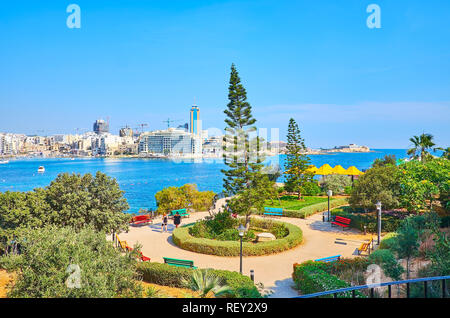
(41, 169)
(4, 161)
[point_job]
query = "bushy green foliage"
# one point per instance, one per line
(166, 275)
(386, 259)
(422, 182)
(311, 188)
(312, 277)
(389, 240)
(387, 160)
(51, 258)
(184, 240)
(336, 183)
(186, 196)
(377, 184)
(70, 200)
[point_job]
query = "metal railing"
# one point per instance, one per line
(372, 287)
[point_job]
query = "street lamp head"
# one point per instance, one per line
(241, 230)
(378, 205)
(330, 193)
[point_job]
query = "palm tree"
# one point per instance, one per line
(421, 146)
(205, 282)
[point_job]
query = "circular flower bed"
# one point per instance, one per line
(184, 240)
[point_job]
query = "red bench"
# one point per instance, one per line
(342, 222)
(141, 219)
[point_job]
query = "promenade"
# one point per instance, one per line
(273, 271)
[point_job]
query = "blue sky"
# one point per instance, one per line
(316, 61)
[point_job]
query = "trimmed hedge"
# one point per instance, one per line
(167, 275)
(184, 240)
(314, 208)
(389, 223)
(313, 277)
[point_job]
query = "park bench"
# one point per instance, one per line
(366, 246)
(342, 222)
(329, 259)
(141, 219)
(179, 262)
(273, 212)
(182, 212)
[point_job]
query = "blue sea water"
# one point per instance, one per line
(142, 178)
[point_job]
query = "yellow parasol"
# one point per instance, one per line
(353, 171)
(325, 170)
(312, 169)
(339, 170)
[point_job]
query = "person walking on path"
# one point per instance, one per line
(164, 223)
(177, 219)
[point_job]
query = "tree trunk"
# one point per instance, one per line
(299, 195)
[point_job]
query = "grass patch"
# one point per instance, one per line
(291, 202)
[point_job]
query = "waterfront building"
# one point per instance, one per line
(101, 126)
(195, 126)
(170, 142)
(126, 132)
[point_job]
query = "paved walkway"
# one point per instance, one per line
(273, 271)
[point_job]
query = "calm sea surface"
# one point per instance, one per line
(142, 178)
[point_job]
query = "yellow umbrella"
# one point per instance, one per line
(339, 170)
(325, 170)
(312, 169)
(353, 171)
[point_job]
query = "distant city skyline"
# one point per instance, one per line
(317, 62)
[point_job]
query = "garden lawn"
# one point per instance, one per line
(291, 202)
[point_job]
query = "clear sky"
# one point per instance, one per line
(144, 61)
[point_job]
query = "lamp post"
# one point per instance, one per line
(329, 193)
(241, 230)
(378, 205)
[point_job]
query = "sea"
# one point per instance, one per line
(142, 178)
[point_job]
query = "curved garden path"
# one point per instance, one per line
(274, 271)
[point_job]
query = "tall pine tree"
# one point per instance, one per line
(297, 163)
(242, 155)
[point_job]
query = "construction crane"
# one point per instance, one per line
(142, 127)
(168, 121)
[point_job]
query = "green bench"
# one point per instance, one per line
(182, 212)
(179, 262)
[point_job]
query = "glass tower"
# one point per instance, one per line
(195, 120)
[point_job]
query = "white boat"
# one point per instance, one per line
(41, 169)
(4, 161)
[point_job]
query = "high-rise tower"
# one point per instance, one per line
(195, 126)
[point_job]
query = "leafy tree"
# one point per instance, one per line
(424, 183)
(407, 243)
(377, 184)
(252, 198)
(206, 283)
(70, 200)
(76, 200)
(242, 155)
(388, 160)
(336, 183)
(421, 146)
(187, 196)
(386, 259)
(61, 262)
(297, 163)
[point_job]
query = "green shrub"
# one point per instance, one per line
(186, 196)
(184, 240)
(386, 259)
(336, 183)
(312, 277)
(166, 275)
(311, 188)
(314, 208)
